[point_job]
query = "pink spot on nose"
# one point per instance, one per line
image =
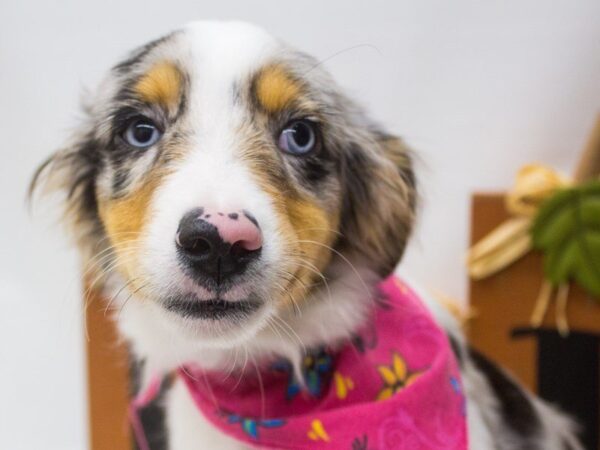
(236, 228)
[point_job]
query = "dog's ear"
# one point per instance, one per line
(379, 202)
(72, 172)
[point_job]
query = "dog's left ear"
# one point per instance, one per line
(379, 202)
(72, 171)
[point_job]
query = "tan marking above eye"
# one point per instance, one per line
(161, 84)
(275, 88)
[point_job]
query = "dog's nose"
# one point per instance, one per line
(218, 244)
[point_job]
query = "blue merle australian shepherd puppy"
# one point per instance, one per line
(236, 207)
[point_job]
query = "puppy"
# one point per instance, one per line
(241, 214)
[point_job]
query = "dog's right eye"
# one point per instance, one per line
(298, 138)
(141, 133)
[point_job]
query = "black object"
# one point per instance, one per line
(152, 416)
(569, 376)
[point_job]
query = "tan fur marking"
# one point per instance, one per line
(275, 89)
(310, 231)
(161, 84)
(124, 221)
(307, 227)
(315, 230)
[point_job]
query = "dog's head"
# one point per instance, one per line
(219, 174)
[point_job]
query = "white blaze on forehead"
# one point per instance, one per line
(223, 55)
(220, 57)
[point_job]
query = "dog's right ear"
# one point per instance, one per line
(72, 172)
(380, 199)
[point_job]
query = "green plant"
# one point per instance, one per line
(567, 230)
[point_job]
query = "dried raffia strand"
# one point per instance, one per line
(562, 298)
(500, 248)
(462, 314)
(541, 304)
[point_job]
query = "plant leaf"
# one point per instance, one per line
(567, 230)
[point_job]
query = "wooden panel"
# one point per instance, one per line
(504, 300)
(107, 381)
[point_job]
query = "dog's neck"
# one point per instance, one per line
(330, 314)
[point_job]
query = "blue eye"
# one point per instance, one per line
(142, 133)
(298, 138)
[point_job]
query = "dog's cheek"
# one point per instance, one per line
(312, 230)
(124, 221)
(305, 227)
(315, 228)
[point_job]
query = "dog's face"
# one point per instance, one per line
(218, 175)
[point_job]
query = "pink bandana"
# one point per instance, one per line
(395, 386)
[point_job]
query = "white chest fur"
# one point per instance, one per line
(187, 427)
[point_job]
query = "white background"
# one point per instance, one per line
(477, 90)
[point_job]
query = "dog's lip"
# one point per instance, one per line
(192, 307)
(197, 292)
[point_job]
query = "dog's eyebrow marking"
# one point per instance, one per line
(275, 88)
(161, 84)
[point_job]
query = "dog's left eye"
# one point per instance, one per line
(141, 133)
(298, 138)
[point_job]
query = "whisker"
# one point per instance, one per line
(96, 264)
(346, 260)
(107, 238)
(289, 294)
(314, 269)
(243, 369)
(87, 295)
(110, 246)
(232, 368)
(130, 296)
(280, 322)
(342, 51)
(261, 387)
(105, 272)
(113, 298)
(275, 330)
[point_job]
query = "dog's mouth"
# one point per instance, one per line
(191, 307)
